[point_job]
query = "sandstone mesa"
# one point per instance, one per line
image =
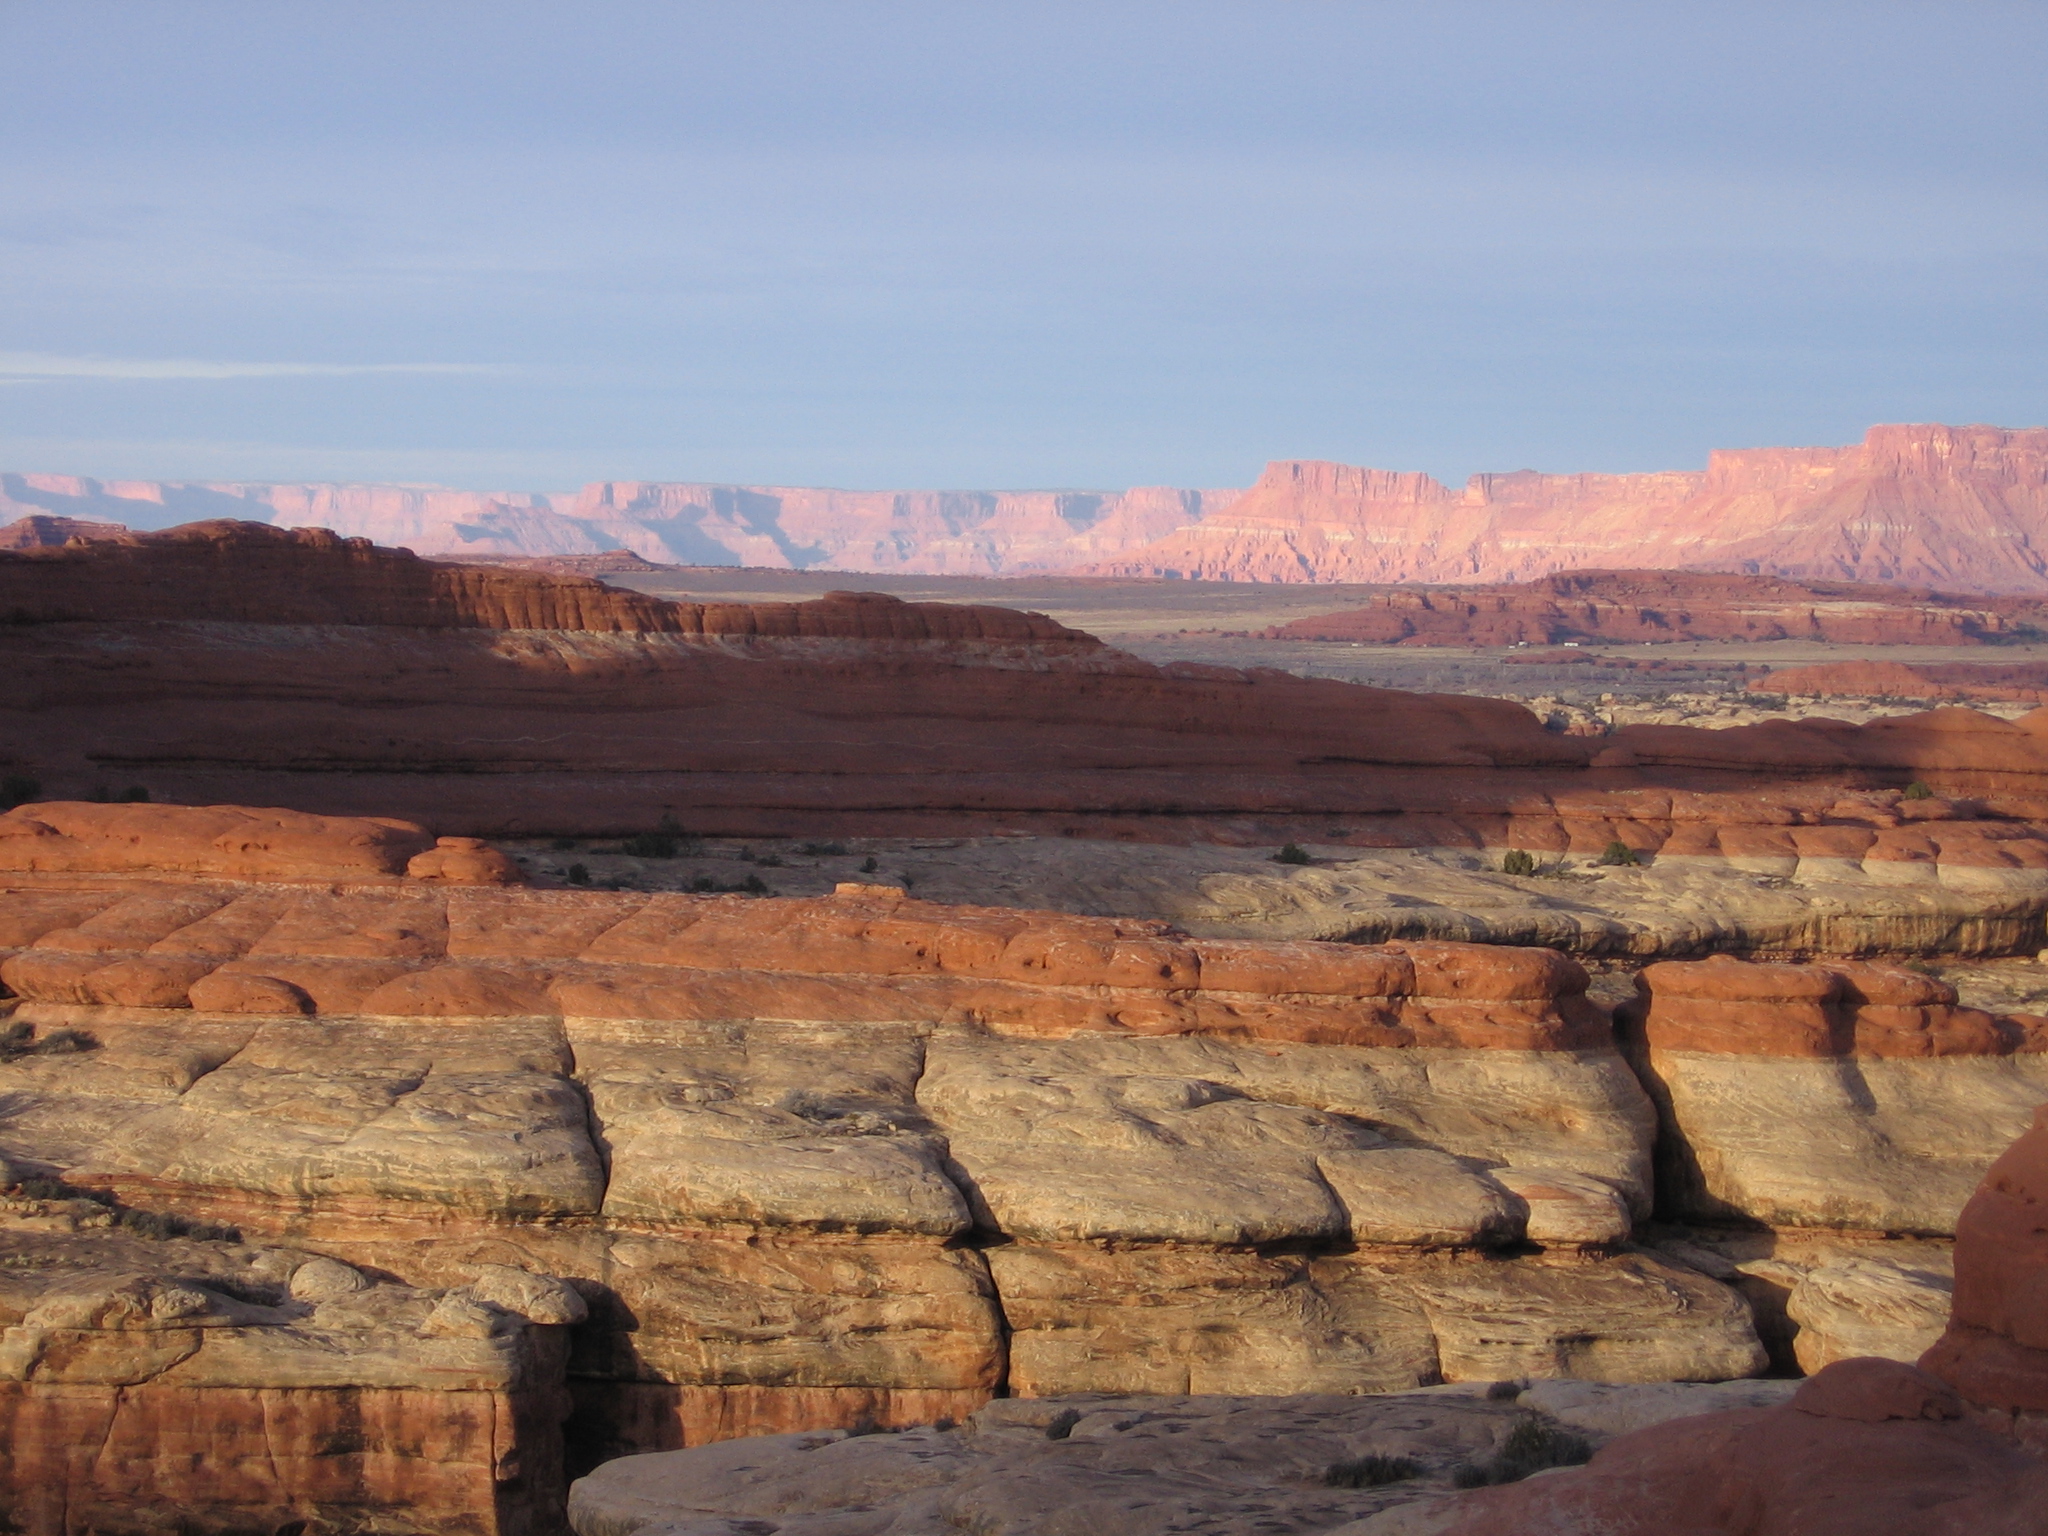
(1958, 508)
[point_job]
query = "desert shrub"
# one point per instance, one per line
(1918, 791)
(1617, 852)
(822, 850)
(1370, 1472)
(1292, 853)
(564, 845)
(772, 860)
(1518, 861)
(866, 1425)
(1503, 1391)
(870, 866)
(754, 885)
(578, 874)
(651, 845)
(944, 1422)
(1535, 1444)
(18, 789)
(19, 1039)
(48, 1189)
(135, 794)
(1062, 1424)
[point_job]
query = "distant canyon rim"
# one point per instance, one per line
(1963, 508)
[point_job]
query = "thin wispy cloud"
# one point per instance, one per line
(20, 367)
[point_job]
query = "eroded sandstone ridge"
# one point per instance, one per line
(676, 1168)
(1867, 1446)
(1650, 607)
(235, 663)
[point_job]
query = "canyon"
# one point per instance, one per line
(1961, 509)
(1135, 1087)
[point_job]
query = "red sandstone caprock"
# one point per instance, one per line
(1995, 1352)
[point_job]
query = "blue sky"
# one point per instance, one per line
(526, 245)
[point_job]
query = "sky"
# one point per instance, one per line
(513, 245)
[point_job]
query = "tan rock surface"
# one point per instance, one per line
(139, 1374)
(1146, 1465)
(1849, 1096)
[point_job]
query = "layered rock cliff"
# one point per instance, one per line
(1961, 508)
(234, 663)
(1638, 607)
(442, 1189)
(968, 533)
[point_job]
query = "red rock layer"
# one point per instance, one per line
(857, 713)
(38, 531)
(1833, 1009)
(2023, 683)
(1995, 1352)
(1637, 607)
(1963, 508)
(231, 841)
(865, 954)
(1864, 1448)
(113, 1458)
(249, 573)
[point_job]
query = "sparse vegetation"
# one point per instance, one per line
(577, 874)
(753, 885)
(1535, 1444)
(20, 1039)
(1371, 1471)
(867, 1425)
(1618, 853)
(1518, 861)
(564, 845)
(1292, 853)
(869, 866)
(1062, 1424)
(822, 850)
(18, 789)
(1918, 791)
(160, 1225)
(135, 794)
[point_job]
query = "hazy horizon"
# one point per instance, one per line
(519, 246)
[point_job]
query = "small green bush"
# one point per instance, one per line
(866, 1425)
(1371, 1472)
(1918, 791)
(18, 789)
(651, 845)
(1518, 861)
(1292, 853)
(1617, 853)
(135, 794)
(578, 874)
(564, 845)
(870, 866)
(822, 850)
(1062, 1424)
(1535, 1444)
